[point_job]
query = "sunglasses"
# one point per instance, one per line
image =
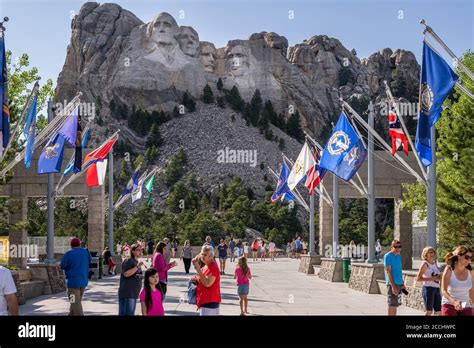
(397, 246)
(467, 257)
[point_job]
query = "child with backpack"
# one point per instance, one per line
(242, 275)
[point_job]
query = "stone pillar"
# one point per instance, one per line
(18, 238)
(403, 232)
(325, 227)
(96, 219)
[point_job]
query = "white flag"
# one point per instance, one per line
(303, 164)
(101, 170)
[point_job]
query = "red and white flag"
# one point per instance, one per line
(315, 174)
(96, 162)
(396, 132)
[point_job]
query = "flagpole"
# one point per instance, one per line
(383, 142)
(312, 239)
(111, 202)
(451, 53)
(335, 215)
(431, 206)
(50, 203)
(22, 116)
(405, 129)
(371, 192)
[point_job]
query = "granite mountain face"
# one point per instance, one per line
(113, 55)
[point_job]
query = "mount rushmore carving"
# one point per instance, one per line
(114, 55)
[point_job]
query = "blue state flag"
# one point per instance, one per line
(51, 158)
(29, 131)
(70, 166)
(437, 80)
(282, 185)
(344, 152)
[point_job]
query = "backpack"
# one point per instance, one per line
(191, 292)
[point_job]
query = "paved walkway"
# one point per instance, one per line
(277, 288)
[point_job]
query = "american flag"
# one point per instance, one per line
(396, 132)
(315, 174)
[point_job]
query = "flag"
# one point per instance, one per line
(437, 80)
(5, 114)
(137, 191)
(282, 186)
(288, 197)
(51, 158)
(94, 162)
(70, 166)
(78, 144)
(315, 174)
(399, 137)
(344, 153)
(29, 131)
(149, 188)
(303, 164)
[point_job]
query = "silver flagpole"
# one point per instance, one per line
(451, 53)
(111, 202)
(335, 215)
(371, 193)
(312, 240)
(431, 213)
(50, 202)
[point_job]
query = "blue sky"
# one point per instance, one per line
(41, 28)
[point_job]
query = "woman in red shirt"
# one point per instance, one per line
(208, 291)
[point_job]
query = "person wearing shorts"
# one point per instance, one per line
(242, 276)
(392, 262)
(222, 249)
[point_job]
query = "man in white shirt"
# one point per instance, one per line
(8, 301)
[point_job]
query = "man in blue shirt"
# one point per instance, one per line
(392, 262)
(75, 263)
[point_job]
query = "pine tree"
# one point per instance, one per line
(154, 138)
(188, 102)
(255, 107)
(293, 126)
(207, 95)
(220, 85)
(235, 100)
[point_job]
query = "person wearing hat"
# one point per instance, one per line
(75, 263)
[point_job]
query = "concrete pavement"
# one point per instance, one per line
(277, 288)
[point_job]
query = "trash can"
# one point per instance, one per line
(101, 266)
(346, 269)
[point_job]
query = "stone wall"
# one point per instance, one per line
(52, 275)
(414, 299)
(364, 277)
(307, 263)
(331, 270)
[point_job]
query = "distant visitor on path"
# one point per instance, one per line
(167, 252)
(75, 264)
(272, 248)
(150, 246)
(429, 274)
(151, 296)
(8, 300)
(392, 263)
(246, 249)
(130, 282)
(108, 261)
(263, 250)
(458, 283)
(187, 255)
(378, 249)
(208, 291)
(231, 248)
(174, 247)
(160, 264)
(254, 250)
(222, 250)
(242, 276)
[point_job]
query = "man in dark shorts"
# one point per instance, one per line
(392, 262)
(222, 249)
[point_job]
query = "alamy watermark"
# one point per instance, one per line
(228, 155)
(28, 251)
(355, 251)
